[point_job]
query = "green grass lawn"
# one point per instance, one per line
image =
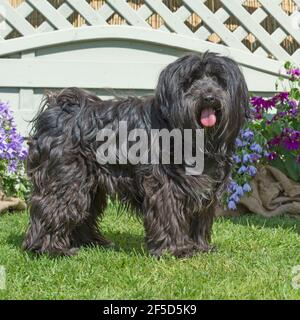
(254, 260)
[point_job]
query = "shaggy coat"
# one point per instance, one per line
(70, 188)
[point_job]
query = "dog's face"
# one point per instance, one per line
(204, 92)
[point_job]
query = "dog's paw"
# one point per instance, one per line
(184, 251)
(206, 247)
(193, 249)
(70, 252)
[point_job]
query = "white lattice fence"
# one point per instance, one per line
(211, 22)
(54, 54)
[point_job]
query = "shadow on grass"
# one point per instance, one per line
(16, 239)
(285, 222)
(123, 242)
(127, 242)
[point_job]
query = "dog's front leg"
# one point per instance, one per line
(201, 226)
(166, 221)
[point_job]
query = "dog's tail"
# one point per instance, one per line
(58, 108)
(57, 126)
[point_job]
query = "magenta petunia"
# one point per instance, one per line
(294, 73)
(291, 144)
(275, 141)
(272, 156)
(282, 96)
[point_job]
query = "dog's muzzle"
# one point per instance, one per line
(208, 116)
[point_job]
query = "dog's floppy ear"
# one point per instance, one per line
(239, 99)
(238, 89)
(172, 80)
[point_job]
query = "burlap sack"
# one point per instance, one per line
(11, 203)
(273, 194)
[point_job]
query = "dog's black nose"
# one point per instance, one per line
(209, 99)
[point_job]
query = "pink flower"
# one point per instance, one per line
(282, 96)
(291, 143)
(272, 156)
(275, 141)
(294, 73)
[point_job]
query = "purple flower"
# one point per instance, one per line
(231, 205)
(247, 134)
(12, 147)
(252, 171)
(263, 104)
(5, 113)
(291, 139)
(247, 158)
(239, 191)
(294, 73)
(257, 101)
(258, 116)
(240, 143)
(272, 156)
(236, 158)
(247, 187)
(282, 96)
(234, 197)
(242, 169)
(23, 154)
(291, 144)
(12, 167)
(275, 141)
(293, 103)
(282, 114)
(294, 108)
(233, 185)
(255, 157)
(256, 148)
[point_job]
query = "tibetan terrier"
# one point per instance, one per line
(71, 188)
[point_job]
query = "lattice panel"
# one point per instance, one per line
(262, 27)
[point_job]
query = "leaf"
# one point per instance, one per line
(276, 128)
(293, 168)
(296, 125)
(295, 93)
(280, 165)
(288, 65)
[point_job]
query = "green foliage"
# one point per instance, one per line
(14, 184)
(278, 120)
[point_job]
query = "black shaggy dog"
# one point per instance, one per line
(71, 187)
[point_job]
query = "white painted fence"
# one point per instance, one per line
(102, 57)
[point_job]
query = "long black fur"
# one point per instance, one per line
(71, 187)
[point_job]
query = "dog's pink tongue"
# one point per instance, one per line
(208, 117)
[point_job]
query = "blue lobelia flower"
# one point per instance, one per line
(247, 158)
(252, 171)
(239, 191)
(242, 169)
(231, 205)
(236, 158)
(234, 197)
(247, 187)
(256, 148)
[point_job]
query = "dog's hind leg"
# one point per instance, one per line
(88, 232)
(61, 201)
